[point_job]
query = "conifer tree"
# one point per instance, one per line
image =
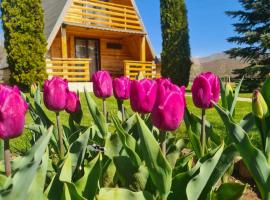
(175, 56)
(25, 43)
(253, 40)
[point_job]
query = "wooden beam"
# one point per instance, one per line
(72, 46)
(142, 49)
(64, 42)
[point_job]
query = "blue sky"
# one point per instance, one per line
(209, 26)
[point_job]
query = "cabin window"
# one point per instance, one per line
(88, 48)
(114, 45)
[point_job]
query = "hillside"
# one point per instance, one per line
(219, 63)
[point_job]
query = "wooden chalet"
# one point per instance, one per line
(84, 36)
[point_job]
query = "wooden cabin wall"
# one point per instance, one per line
(112, 59)
(55, 50)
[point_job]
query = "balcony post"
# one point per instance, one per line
(64, 46)
(142, 49)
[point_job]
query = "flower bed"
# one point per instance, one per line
(133, 155)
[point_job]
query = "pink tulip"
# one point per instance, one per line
(121, 88)
(143, 95)
(169, 108)
(73, 104)
(55, 94)
(102, 83)
(205, 88)
(12, 111)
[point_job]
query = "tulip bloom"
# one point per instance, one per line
(73, 104)
(205, 88)
(55, 94)
(102, 84)
(55, 99)
(13, 109)
(143, 95)
(121, 88)
(169, 108)
(259, 106)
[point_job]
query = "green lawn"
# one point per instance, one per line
(245, 95)
(242, 108)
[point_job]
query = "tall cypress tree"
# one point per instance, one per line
(175, 56)
(253, 40)
(25, 42)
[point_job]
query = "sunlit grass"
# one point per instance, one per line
(242, 108)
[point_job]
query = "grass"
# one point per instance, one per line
(245, 95)
(22, 143)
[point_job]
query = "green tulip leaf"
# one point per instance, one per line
(70, 192)
(253, 158)
(78, 148)
(174, 152)
(87, 186)
(129, 143)
(108, 172)
(55, 189)
(134, 178)
(159, 169)
(193, 130)
(221, 168)
(199, 182)
(66, 171)
(180, 181)
(236, 94)
(248, 122)
(113, 145)
(97, 116)
(26, 170)
(37, 96)
(122, 194)
(181, 165)
(223, 94)
(229, 191)
(37, 186)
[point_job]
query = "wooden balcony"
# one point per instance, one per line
(133, 68)
(96, 13)
(72, 69)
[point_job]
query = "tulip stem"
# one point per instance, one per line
(203, 134)
(7, 157)
(104, 108)
(121, 108)
(60, 135)
(123, 111)
(162, 140)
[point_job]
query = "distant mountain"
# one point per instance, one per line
(218, 63)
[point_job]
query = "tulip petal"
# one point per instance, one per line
(201, 92)
(55, 93)
(168, 116)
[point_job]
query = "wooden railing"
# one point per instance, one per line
(133, 68)
(73, 69)
(103, 14)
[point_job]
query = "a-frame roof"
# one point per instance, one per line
(55, 11)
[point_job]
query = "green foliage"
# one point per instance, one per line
(175, 54)
(25, 42)
(117, 159)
